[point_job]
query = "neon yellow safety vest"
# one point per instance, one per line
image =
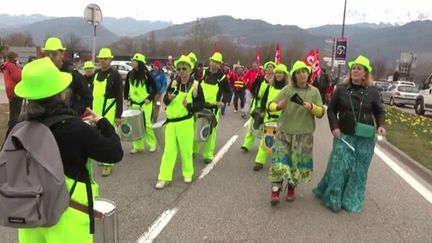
(103, 106)
(175, 108)
(137, 93)
(272, 116)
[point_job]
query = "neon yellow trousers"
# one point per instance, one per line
(178, 136)
(210, 144)
(150, 136)
(249, 138)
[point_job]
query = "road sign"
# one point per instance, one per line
(93, 14)
(341, 48)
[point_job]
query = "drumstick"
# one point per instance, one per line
(349, 145)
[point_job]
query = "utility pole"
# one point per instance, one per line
(343, 36)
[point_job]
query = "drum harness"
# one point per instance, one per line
(178, 119)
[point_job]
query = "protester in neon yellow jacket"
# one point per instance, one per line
(184, 97)
(140, 90)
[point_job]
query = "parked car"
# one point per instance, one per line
(123, 67)
(400, 94)
(405, 83)
(424, 99)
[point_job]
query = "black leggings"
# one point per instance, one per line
(237, 95)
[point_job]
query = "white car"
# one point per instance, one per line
(424, 99)
(400, 94)
(405, 83)
(123, 67)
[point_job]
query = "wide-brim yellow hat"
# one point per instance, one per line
(139, 57)
(281, 68)
(217, 57)
(192, 57)
(300, 65)
(105, 53)
(88, 65)
(53, 44)
(42, 79)
(268, 64)
(184, 59)
(361, 60)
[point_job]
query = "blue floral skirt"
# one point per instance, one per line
(292, 158)
(344, 182)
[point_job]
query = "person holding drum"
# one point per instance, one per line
(254, 124)
(107, 95)
(140, 90)
(77, 143)
(292, 158)
(213, 83)
(183, 98)
(270, 118)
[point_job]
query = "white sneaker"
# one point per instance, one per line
(187, 180)
(151, 150)
(235, 111)
(134, 151)
(160, 184)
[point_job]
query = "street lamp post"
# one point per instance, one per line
(343, 36)
(93, 16)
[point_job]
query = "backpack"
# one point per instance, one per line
(33, 190)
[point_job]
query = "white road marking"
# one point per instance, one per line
(157, 226)
(218, 156)
(246, 123)
(414, 183)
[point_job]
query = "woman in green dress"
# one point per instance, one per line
(353, 111)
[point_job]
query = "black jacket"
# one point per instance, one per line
(365, 100)
(78, 141)
(149, 83)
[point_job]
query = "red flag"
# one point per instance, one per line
(278, 54)
(216, 49)
(258, 56)
(309, 58)
(316, 65)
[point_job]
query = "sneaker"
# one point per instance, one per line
(160, 184)
(134, 151)
(207, 161)
(257, 166)
(244, 148)
(106, 170)
(151, 150)
(290, 193)
(275, 198)
(187, 180)
(235, 111)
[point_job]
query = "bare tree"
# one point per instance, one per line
(73, 42)
(200, 35)
(295, 51)
(380, 68)
(124, 46)
(19, 39)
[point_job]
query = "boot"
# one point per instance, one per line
(106, 170)
(275, 197)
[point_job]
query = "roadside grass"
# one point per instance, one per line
(410, 133)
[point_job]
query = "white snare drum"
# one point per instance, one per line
(202, 125)
(106, 228)
(132, 127)
(269, 133)
(158, 129)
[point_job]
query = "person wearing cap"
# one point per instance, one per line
(292, 158)
(260, 85)
(354, 102)
(12, 75)
(139, 90)
(273, 88)
(107, 94)
(158, 75)
(44, 86)
(89, 73)
(213, 83)
(183, 98)
(80, 96)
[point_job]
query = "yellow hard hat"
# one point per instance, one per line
(139, 57)
(53, 44)
(105, 53)
(42, 79)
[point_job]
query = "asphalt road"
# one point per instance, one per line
(232, 203)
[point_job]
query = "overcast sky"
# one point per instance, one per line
(316, 13)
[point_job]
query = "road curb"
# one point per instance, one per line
(420, 169)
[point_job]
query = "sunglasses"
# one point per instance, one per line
(182, 69)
